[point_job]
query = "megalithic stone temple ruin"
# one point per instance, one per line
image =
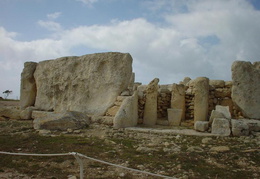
(72, 92)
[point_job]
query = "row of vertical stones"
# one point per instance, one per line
(201, 100)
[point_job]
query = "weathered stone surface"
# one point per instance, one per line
(131, 82)
(222, 93)
(150, 109)
(227, 102)
(27, 113)
(221, 126)
(201, 101)
(219, 149)
(140, 90)
(165, 88)
(127, 116)
(89, 83)
(10, 112)
(201, 126)
(239, 128)
(217, 83)
(228, 84)
(215, 114)
(246, 88)
(62, 121)
(28, 86)
(126, 93)
(220, 112)
(254, 125)
(112, 111)
(107, 120)
(40, 114)
(174, 116)
(178, 98)
(185, 80)
(224, 110)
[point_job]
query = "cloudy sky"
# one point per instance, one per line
(168, 39)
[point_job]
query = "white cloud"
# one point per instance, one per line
(88, 2)
(169, 52)
(50, 25)
(54, 15)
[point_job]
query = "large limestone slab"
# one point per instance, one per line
(127, 116)
(246, 88)
(201, 100)
(28, 86)
(88, 83)
(150, 108)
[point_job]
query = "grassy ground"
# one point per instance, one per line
(172, 155)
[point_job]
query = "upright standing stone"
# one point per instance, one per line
(246, 88)
(127, 116)
(178, 98)
(150, 109)
(28, 86)
(201, 101)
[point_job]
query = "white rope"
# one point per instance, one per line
(39, 155)
(90, 158)
(120, 166)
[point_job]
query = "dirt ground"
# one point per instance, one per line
(160, 152)
(9, 103)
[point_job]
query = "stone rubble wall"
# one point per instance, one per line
(219, 94)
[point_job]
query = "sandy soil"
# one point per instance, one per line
(9, 103)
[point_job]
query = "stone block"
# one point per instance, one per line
(221, 126)
(215, 114)
(228, 84)
(62, 121)
(174, 116)
(224, 110)
(254, 125)
(217, 83)
(112, 111)
(40, 114)
(201, 126)
(27, 113)
(239, 127)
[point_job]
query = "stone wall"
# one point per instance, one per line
(164, 101)
(219, 94)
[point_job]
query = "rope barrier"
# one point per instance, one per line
(78, 155)
(39, 155)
